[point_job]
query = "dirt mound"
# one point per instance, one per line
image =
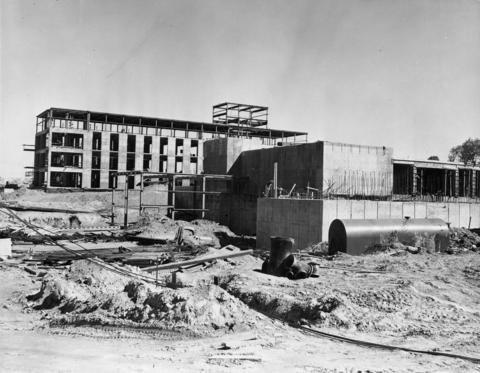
(68, 200)
(432, 295)
(49, 224)
(464, 239)
(196, 233)
(89, 294)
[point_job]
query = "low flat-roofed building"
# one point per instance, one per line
(435, 180)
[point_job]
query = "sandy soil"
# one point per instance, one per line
(29, 344)
(227, 316)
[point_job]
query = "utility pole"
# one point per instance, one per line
(275, 180)
(125, 204)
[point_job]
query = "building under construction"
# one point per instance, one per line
(254, 179)
(87, 149)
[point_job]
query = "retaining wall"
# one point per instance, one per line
(307, 221)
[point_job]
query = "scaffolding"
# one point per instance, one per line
(170, 179)
(243, 115)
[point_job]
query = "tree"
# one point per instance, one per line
(433, 158)
(468, 152)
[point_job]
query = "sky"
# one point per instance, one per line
(397, 73)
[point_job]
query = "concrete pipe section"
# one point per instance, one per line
(280, 249)
(359, 236)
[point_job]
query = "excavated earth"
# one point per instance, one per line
(228, 316)
(424, 301)
(87, 294)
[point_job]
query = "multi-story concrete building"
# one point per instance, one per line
(86, 149)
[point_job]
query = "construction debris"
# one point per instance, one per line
(462, 239)
(195, 233)
(283, 263)
(205, 259)
(86, 293)
(194, 281)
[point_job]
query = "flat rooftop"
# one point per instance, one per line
(142, 121)
(433, 164)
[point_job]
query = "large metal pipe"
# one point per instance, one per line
(358, 236)
(280, 249)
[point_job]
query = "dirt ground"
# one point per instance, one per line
(427, 301)
(228, 316)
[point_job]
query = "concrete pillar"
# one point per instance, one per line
(186, 156)
(87, 122)
(155, 153)
(200, 156)
(139, 142)
(105, 160)
(445, 181)
(170, 164)
(414, 180)
(457, 183)
(49, 161)
(171, 147)
(474, 184)
(122, 152)
(87, 159)
(171, 151)
(421, 182)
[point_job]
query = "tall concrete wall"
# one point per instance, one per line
(357, 170)
(215, 156)
(308, 221)
(237, 210)
(221, 154)
(300, 164)
(349, 169)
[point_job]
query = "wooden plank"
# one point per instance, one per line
(197, 261)
(47, 209)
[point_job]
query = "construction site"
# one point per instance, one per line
(152, 244)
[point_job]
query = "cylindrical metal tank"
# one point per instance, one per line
(357, 236)
(280, 248)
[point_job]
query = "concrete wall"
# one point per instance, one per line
(349, 169)
(308, 221)
(300, 164)
(237, 210)
(458, 214)
(299, 219)
(357, 170)
(221, 154)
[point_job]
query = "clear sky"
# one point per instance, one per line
(399, 73)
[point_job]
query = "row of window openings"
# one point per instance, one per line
(107, 127)
(66, 160)
(147, 163)
(74, 180)
(76, 141)
(71, 140)
(76, 160)
(147, 145)
(112, 180)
